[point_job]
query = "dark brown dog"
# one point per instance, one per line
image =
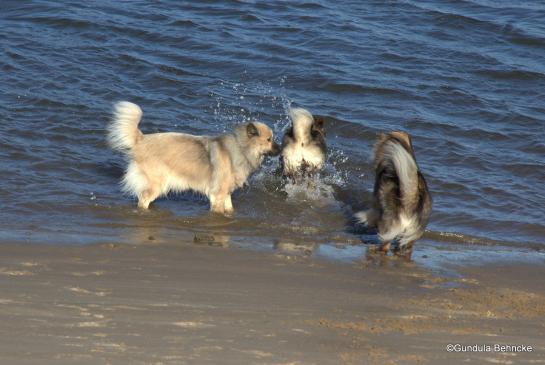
(401, 201)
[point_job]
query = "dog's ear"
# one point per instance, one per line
(318, 124)
(251, 130)
(318, 127)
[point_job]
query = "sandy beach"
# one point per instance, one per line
(194, 304)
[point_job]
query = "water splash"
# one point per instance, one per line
(249, 100)
(313, 189)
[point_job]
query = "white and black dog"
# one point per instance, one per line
(303, 146)
(401, 201)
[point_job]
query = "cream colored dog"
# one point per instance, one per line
(163, 162)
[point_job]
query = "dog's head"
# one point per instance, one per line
(258, 139)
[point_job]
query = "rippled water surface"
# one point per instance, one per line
(465, 78)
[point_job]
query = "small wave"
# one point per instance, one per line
(465, 239)
(48, 103)
(535, 147)
(57, 21)
(459, 20)
(526, 40)
(392, 56)
(251, 18)
(522, 5)
(455, 20)
(175, 70)
(15, 56)
(457, 96)
(512, 74)
(183, 23)
(526, 169)
(338, 87)
(311, 6)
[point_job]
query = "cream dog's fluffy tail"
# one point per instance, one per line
(123, 132)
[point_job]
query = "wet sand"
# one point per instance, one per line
(190, 304)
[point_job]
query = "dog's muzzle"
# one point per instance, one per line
(275, 150)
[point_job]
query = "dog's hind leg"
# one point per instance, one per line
(155, 186)
(405, 251)
(137, 182)
(385, 247)
(408, 252)
(147, 196)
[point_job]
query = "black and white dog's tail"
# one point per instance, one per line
(406, 170)
(394, 160)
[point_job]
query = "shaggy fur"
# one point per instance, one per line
(401, 200)
(163, 162)
(303, 145)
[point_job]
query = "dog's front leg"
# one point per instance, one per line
(217, 203)
(228, 205)
(146, 197)
(294, 178)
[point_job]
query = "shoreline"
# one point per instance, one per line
(444, 258)
(176, 304)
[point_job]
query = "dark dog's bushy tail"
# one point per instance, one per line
(123, 132)
(405, 169)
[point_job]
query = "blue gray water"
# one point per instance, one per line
(465, 78)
